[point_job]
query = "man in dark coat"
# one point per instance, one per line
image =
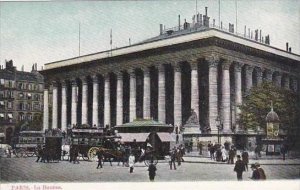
(231, 156)
(255, 173)
(100, 156)
(245, 159)
(152, 171)
(239, 168)
(39, 153)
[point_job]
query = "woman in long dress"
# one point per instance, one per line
(131, 161)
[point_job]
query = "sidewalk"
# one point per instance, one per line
(194, 157)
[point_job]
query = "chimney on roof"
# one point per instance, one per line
(221, 25)
(248, 32)
(205, 11)
(245, 30)
(214, 22)
(287, 46)
(201, 21)
(160, 30)
(290, 49)
(260, 36)
(178, 22)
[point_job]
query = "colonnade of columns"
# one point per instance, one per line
(215, 78)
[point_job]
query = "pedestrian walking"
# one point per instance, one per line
(212, 151)
(75, 154)
(255, 173)
(245, 159)
(173, 158)
(100, 157)
(239, 168)
(152, 171)
(131, 161)
(231, 155)
(224, 157)
(283, 151)
(262, 174)
(200, 148)
(39, 151)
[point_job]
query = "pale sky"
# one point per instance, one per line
(43, 32)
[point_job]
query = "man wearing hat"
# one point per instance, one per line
(239, 168)
(262, 175)
(255, 173)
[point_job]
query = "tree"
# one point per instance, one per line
(257, 104)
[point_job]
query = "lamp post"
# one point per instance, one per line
(218, 123)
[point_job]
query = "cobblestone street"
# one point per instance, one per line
(194, 169)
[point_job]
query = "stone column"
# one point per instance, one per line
(277, 79)
(54, 106)
(177, 96)
(268, 75)
(194, 87)
(119, 116)
(147, 94)
(74, 103)
(249, 82)
(226, 97)
(286, 82)
(106, 100)
(161, 94)
(84, 105)
(238, 92)
(213, 62)
(259, 76)
(95, 100)
(64, 106)
(132, 96)
(46, 110)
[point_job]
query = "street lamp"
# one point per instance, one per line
(218, 124)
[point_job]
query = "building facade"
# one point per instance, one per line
(21, 97)
(196, 66)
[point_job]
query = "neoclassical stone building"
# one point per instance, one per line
(205, 69)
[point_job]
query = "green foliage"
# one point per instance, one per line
(257, 104)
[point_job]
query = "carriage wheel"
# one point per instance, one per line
(92, 153)
(149, 158)
(21, 153)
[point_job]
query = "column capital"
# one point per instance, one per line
(119, 75)
(74, 82)
(161, 68)
(106, 76)
(131, 72)
(63, 83)
(213, 60)
(194, 63)
(226, 64)
(176, 67)
(54, 84)
(238, 66)
(277, 73)
(249, 68)
(268, 71)
(95, 78)
(83, 80)
(146, 70)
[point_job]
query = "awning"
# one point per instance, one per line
(1, 114)
(10, 115)
(2, 135)
(129, 137)
(165, 137)
(1, 103)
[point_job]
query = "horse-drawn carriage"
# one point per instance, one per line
(27, 142)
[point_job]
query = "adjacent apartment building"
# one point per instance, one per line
(21, 98)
